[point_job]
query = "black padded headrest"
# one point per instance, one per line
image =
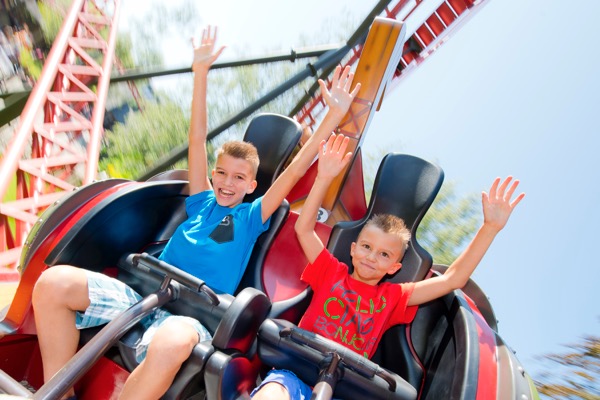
(405, 186)
(275, 137)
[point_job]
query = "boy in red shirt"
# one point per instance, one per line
(355, 309)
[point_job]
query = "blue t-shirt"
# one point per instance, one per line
(215, 242)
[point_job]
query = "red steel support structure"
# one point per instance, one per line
(56, 144)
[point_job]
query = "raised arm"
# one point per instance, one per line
(497, 208)
(338, 99)
(197, 158)
(332, 160)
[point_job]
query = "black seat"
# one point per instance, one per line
(405, 186)
(275, 138)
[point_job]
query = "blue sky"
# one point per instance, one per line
(515, 91)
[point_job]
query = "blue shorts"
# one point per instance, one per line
(297, 389)
(110, 297)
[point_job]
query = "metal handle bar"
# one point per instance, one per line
(352, 360)
(145, 262)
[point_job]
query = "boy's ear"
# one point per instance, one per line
(352, 246)
(394, 268)
(252, 186)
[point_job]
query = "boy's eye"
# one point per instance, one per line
(221, 172)
(366, 246)
(385, 255)
(239, 177)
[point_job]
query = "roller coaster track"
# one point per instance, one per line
(56, 145)
(430, 24)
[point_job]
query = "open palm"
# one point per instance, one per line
(204, 54)
(497, 205)
(339, 97)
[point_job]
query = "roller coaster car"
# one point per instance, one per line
(449, 351)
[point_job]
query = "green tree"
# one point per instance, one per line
(229, 92)
(143, 138)
(449, 224)
(574, 373)
(53, 14)
(31, 65)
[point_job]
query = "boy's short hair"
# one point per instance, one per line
(391, 224)
(243, 150)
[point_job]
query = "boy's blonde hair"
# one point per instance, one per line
(242, 150)
(391, 224)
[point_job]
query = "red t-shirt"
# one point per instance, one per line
(351, 312)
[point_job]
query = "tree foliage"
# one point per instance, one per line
(229, 91)
(449, 224)
(163, 124)
(573, 374)
(53, 14)
(143, 138)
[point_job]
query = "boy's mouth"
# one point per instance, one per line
(226, 193)
(367, 265)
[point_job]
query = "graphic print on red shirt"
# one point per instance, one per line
(349, 312)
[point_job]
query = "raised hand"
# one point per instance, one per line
(333, 156)
(204, 54)
(339, 97)
(497, 205)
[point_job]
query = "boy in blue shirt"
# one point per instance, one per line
(214, 243)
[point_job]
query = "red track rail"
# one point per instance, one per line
(430, 23)
(57, 143)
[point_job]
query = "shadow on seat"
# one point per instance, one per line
(405, 186)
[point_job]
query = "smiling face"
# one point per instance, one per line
(232, 179)
(375, 254)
